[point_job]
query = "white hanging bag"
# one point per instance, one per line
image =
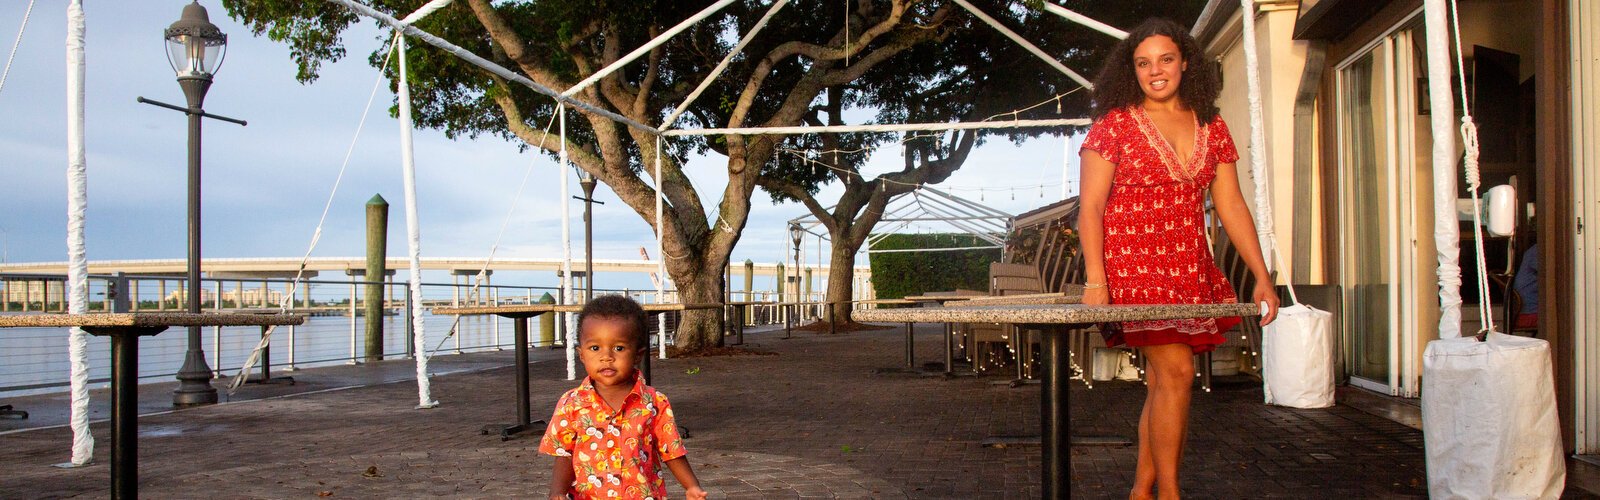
(1489, 419)
(1297, 368)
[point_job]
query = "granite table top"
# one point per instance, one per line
(148, 319)
(1065, 314)
(532, 309)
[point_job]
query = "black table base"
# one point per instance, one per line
(1055, 439)
(124, 404)
(525, 422)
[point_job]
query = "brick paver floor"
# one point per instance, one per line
(812, 421)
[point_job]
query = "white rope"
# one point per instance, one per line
(1469, 140)
(1084, 20)
(1026, 44)
(480, 62)
(642, 50)
(25, 15)
(77, 254)
(721, 66)
(287, 301)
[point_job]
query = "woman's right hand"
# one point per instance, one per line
(1096, 296)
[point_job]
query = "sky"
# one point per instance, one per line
(264, 186)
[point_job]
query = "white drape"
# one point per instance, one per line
(413, 235)
(77, 256)
(1258, 141)
(1446, 230)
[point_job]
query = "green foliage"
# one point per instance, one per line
(898, 274)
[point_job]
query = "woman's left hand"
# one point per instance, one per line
(1267, 293)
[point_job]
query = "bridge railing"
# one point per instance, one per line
(35, 360)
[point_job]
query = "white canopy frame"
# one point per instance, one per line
(927, 205)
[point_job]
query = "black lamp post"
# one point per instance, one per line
(795, 233)
(195, 49)
(586, 180)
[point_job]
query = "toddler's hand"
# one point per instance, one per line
(695, 493)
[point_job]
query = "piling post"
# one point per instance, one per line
(547, 324)
(749, 278)
(377, 249)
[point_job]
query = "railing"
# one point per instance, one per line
(34, 360)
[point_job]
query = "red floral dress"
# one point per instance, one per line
(1155, 244)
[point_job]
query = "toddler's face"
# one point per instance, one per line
(609, 350)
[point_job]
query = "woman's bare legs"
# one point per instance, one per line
(1144, 477)
(1164, 423)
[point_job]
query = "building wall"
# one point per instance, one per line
(1281, 61)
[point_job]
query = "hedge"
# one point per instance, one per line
(898, 274)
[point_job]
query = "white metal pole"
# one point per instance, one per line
(1084, 20)
(77, 254)
(892, 127)
(353, 360)
(1029, 46)
(480, 62)
(723, 65)
(566, 248)
(661, 254)
(644, 49)
(413, 236)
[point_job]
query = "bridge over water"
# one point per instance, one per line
(278, 265)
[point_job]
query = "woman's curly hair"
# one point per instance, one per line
(1117, 86)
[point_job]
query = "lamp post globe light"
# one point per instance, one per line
(795, 233)
(195, 48)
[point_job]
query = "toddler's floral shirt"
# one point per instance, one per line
(615, 453)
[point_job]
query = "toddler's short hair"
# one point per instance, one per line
(617, 307)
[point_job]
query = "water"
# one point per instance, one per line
(35, 360)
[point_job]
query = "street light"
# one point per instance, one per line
(795, 233)
(586, 180)
(195, 49)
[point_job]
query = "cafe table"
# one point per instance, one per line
(1054, 320)
(520, 314)
(1071, 294)
(125, 330)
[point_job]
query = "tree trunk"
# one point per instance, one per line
(841, 278)
(700, 328)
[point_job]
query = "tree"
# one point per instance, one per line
(976, 73)
(807, 51)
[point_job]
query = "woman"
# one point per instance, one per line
(1157, 144)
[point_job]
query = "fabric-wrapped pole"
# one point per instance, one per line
(77, 256)
(408, 166)
(1446, 230)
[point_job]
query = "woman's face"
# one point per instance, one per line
(1159, 65)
